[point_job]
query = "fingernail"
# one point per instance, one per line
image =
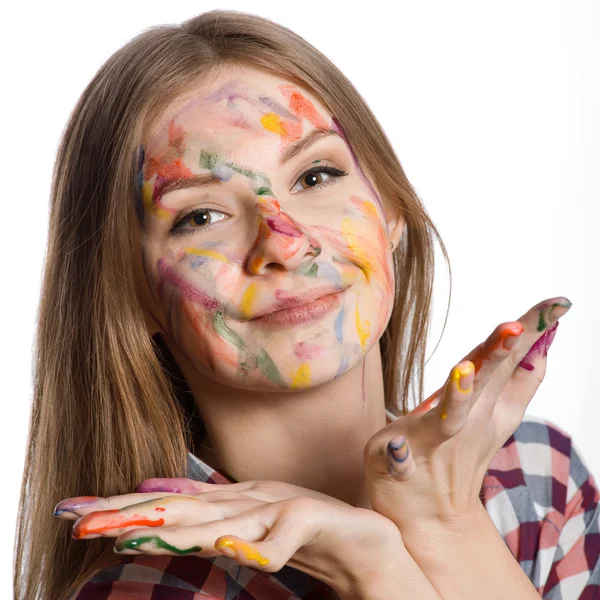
(558, 309)
(72, 504)
(64, 513)
(463, 378)
(398, 452)
(225, 547)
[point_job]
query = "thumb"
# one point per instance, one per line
(390, 455)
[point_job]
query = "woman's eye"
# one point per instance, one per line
(313, 178)
(200, 218)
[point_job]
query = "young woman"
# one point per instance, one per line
(234, 311)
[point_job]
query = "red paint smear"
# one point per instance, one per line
(305, 351)
(168, 275)
(159, 509)
(280, 226)
(106, 520)
(303, 107)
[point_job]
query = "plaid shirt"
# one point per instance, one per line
(538, 492)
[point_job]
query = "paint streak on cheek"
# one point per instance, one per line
(302, 377)
(305, 351)
(193, 326)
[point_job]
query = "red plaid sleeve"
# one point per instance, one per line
(545, 503)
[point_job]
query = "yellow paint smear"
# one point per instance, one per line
(272, 122)
(363, 331)
(247, 300)
(369, 209)
(302, 377)
(249, 551)
(153, 209)
(349, 235)
(206, 252)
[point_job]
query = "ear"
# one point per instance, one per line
(395, 225)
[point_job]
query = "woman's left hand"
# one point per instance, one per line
(425, 470)
(261, 524)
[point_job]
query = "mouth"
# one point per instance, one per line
(295, 311)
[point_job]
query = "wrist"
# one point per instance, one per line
(397, 576)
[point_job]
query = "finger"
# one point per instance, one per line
(524, 382)
(74, 508)
(246, 534)
(175, 510)
(452, 413)
(536, 322)
(294, 528)
(183, 485)
(487, 357)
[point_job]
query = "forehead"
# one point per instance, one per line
(239, 112)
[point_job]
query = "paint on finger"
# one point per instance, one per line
(132, 546)
(234, 547)
(540, 348)
(398, 453)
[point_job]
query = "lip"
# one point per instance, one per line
(303, 312)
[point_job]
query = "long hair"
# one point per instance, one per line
(108, 411)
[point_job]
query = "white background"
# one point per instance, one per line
(492, 107)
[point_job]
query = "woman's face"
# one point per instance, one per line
(264, 247)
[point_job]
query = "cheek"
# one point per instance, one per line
(191, 296)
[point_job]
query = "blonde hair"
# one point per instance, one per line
(106, 413)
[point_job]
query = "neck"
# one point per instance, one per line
(312, 438)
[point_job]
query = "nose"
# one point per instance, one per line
(280, 242)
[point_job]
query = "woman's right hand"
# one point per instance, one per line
(356, 551)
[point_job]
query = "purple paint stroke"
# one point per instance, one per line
(177, 485)
(280, 226)
(278, 108)
(167, 275)
(337, 127)
(540, 348)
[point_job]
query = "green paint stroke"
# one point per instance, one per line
(135, 544)
(264, 191)
(268, 368)
(543, 323)
(310, 271)
(228, 334)
(248, 362)
(210, 160)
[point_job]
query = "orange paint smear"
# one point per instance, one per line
(107, 520)
(479, 355)
(496, 342)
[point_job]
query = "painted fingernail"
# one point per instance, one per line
(226, 547)
(551, 310)
(463, 378)
(398, 453)
(72, 504)
(558, 310)
(512, 339)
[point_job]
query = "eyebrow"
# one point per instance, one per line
(206, 179)
(301, 145)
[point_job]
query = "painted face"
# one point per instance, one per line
(264, 245)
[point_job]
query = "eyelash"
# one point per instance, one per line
(179, 229)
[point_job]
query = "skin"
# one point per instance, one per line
(302, 388)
